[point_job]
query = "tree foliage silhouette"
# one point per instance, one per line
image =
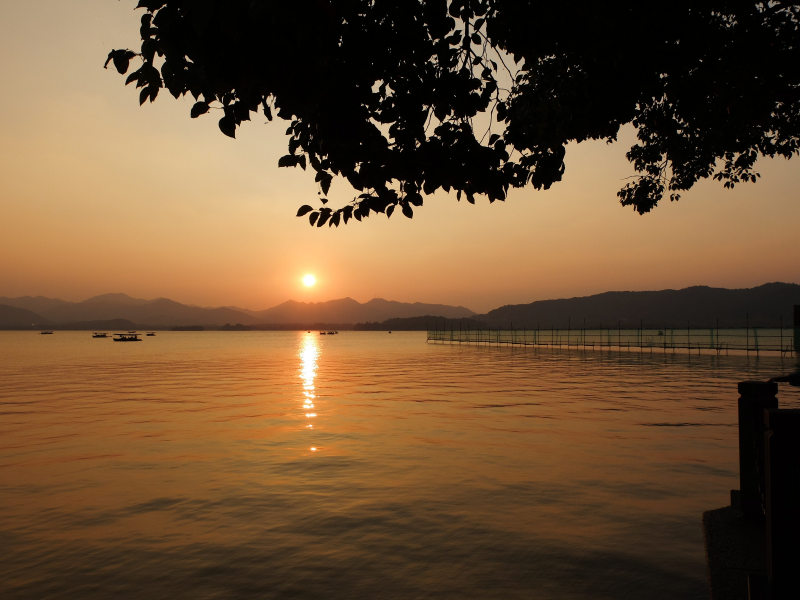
(478, 96)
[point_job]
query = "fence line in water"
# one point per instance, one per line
(746, 340)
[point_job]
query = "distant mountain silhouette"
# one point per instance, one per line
(347, 310)
(118, 299)
(37, 304)
(698, 306)
(12, 317)
(421, 324)
(162, 312)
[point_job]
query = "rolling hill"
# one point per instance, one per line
(347, 310)
(163, 312)
(12, 317)
(698, 306)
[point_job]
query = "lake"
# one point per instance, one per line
(359, 465)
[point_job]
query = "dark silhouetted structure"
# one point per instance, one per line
(753, 546)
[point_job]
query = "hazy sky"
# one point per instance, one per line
(99, 195)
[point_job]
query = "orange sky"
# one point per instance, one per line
(99, 195)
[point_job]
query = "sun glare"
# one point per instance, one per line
(309, 280)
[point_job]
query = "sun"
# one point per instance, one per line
(309, 280)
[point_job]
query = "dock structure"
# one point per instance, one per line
(752, 549)
(747, 340)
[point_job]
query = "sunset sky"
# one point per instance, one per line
(100, 195)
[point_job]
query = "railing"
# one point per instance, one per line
(744, 340)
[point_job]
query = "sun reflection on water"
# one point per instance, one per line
(309, 353)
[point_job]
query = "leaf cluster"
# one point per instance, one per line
(387, 94)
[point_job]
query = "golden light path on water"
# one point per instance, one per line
(309, 352)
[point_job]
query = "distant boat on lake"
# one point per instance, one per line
(46, 332)
(99, 334)
(151, 333)
(127, 337)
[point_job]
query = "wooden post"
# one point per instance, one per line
(781, 451)
(754, 398)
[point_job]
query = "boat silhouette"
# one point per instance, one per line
(127, 337)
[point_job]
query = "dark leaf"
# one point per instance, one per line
(151, 5)
(389, 211)
(200, 108)
(408, 211)
(289, 160)
(415, 199)
(312, 218)
(325, 182)
(304, 210)
(149, 47)
(227, 125)
(121, 59)
(133, 77)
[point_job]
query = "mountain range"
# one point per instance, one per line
(161, 312)
(698, 307)
(764, 306)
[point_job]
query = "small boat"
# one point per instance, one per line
(99, 334)
(131, 332)
(331, 332)
(322, 333)
(127, 337)
(390, 332)
(46, 332)
(151, 334)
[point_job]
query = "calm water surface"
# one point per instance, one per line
(361, 465)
